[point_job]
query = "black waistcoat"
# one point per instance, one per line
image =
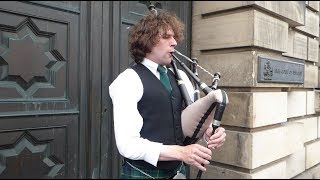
(161, 112)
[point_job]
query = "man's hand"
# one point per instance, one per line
(217, 139)
(197, 155)
(193, 154)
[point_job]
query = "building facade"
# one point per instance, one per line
(267, 53)
(58, 58)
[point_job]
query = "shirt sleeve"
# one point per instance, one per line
(126, 91)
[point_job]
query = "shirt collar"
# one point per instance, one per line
(151, 65)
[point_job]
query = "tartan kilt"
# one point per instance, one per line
(128, 172)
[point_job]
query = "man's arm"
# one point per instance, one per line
(127, 120)
(194, 154)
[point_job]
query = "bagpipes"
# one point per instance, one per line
(197, 117)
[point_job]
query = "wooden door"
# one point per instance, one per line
(57, 60)
(41, 131)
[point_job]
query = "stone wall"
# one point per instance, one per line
(273, 128)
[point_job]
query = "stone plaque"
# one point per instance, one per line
(270, 70)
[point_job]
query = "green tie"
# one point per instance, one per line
(164, 77)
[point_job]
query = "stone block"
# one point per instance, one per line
(318, 85)
(239, 29)
(317, 100)
(252, 150)
(312, 154)
(275, 171)
(255, 109)
(238, 68)
(296, 103)
(310, 128)
(292, 12)
(317, 63)
(312, 173)
(313, 50)
(319, 127)
(314, 5)
(310, 102)
(286, 168)
(287, 139)
(310, 75)
(295, 163)
(216, 172)
(206, 7)
(311, 26)
(297, 45)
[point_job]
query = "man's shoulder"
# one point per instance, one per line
(126, 76)
(127, 73)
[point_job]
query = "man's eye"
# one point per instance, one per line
(166, 36)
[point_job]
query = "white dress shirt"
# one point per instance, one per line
(126, 91)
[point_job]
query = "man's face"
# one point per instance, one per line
(161, 52)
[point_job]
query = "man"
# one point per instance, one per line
(147, 115)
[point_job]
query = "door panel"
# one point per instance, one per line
(39, 94)
(38, 147)
(57, 60)
(132, 11)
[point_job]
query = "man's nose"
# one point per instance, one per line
(173, 42)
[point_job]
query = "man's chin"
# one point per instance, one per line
(168, 62)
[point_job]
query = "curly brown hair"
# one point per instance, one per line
(144, 35)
